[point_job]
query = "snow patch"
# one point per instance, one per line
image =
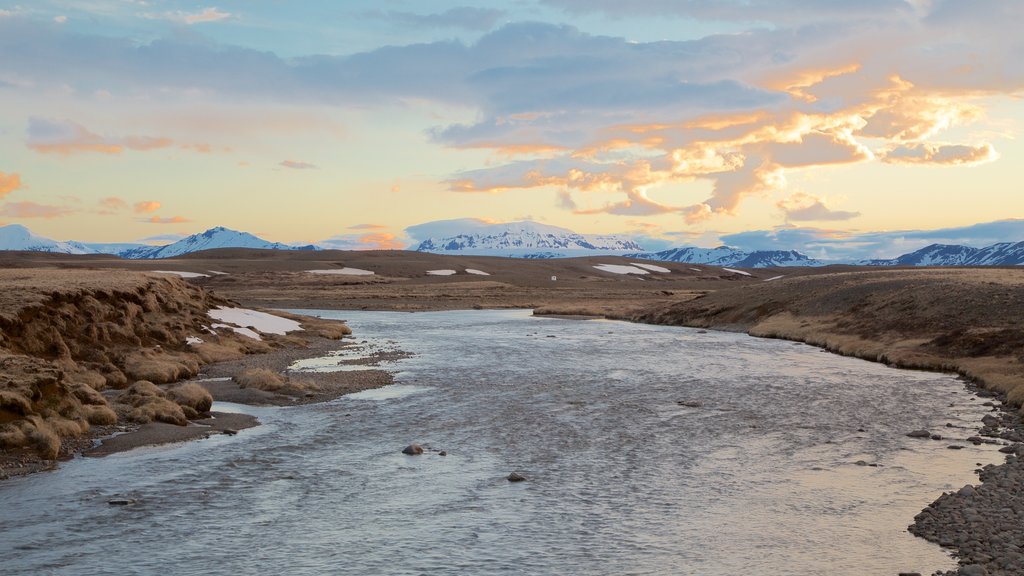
(217, 273)
(652, 267)
(193, 340)
(441, 272)
(696, 269)
(343, 271)
(242, 331)
(477, 272)
(182, 274)
(266, 323)
(620, 269)
(736, 271)
(773, 278)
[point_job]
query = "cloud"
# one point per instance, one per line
(60, 19)
(465, 17)
(111, 205)
(298, 165)
(371, 241)
(367, 227)
(146, 207)
(826, 244)
(940, 154)
(9, 183)
(170, 220)
(806, 208)
(440, 228)
(189, 18)
(776, 11)
(67, 137)
(34, 210)
(162, 239)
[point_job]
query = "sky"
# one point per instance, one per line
(866, 128)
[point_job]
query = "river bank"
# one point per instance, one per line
(97, 362)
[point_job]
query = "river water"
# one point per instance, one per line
(760, 478)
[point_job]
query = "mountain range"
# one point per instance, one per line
(529, 240)
(526, 240)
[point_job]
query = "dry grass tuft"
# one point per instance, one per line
(268, 381)
(193, 398)
(145, 402)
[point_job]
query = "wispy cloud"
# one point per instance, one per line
(146, 207)
(369, 241)
(168, 220)
(298, 165)
(34, 210)
(111, 205)
(66, 137)
(807, 208)
(368, 227)
(9, 183)
(204, 16)
(940, 154)
(465, 17)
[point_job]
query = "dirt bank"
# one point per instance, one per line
(87, 353)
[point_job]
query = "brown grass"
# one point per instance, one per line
(193, 399)
(269, 381)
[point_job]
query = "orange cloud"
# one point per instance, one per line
(112, 205)
(67, 138)
(298, 165)
(367, 227)
(9, 183)
(147, 207)
(749, 153)
(171, 220)
(34, 210)
(381, 241)
(940, 154)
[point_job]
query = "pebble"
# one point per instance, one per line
(919, 434)
(413, 450)
(516, 477)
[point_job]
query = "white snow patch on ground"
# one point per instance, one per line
(182, 274)
(477, 272)
(242, 331)
(343, 271)
(652, 267)
(245, 318)
(696, 269)
(440, 272)
(620, 269)
(217, 273)
(774, 278)
(736, 271)
(193, 340)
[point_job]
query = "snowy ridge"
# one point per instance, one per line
(218, 237)
(17, 237)
(526, 240)
(727, 256)
(1002, 254)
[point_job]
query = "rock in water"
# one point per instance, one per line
(413, 450)
(516, 477)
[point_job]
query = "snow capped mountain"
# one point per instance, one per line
(218, 237)
(726, 256)
(1002, 254)
(17, 237)
(526, 240)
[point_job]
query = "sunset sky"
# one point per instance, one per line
(682, 122)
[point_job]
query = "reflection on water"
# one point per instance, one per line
(649, 450)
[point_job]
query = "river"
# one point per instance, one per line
(756, 472)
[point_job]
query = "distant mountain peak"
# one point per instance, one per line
(729, 256)
(525, 239)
